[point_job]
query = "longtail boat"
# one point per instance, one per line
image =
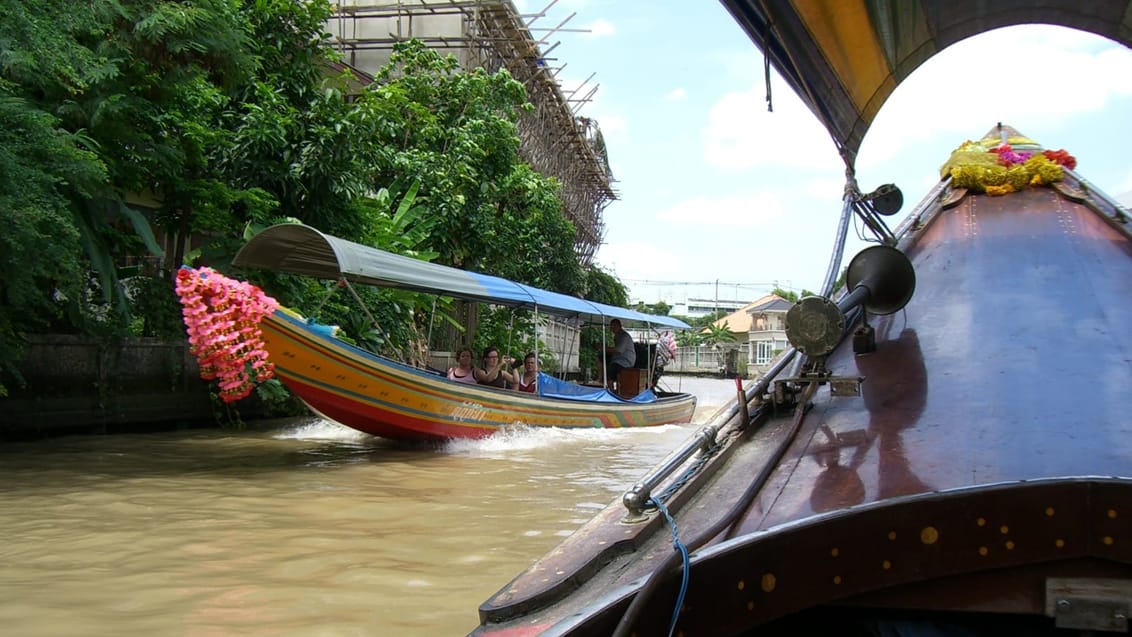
(946, 447)
(387, 398)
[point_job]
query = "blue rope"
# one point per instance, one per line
(679, 546)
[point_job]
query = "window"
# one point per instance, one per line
(764, 351)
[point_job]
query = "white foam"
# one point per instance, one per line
(525, 438)
(319, 429)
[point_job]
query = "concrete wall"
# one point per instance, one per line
(77, 384)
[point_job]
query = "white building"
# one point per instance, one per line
(695, 308)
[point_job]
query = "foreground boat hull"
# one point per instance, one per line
(387, 399)
(983, 469)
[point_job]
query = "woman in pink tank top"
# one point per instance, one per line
(462, 372)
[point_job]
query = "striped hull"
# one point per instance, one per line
(387, 399)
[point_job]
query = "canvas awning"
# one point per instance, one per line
(303, 250)
(844, 58)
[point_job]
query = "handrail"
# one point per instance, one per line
(1120, 213)
(914, 218)
(638, 496)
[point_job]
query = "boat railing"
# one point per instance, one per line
(637, 498)
(916, 218)
(1118, 212)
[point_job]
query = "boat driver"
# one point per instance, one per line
(621, 355)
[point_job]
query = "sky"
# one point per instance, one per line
(719, 198)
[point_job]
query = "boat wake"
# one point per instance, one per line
(525, 438)
(508, 441)
(319, 429)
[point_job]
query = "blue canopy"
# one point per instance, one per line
(301, 249)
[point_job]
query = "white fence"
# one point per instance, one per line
(699, 359)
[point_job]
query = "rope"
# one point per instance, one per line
(766, 73)
(690, 471)
(723, 524)
(685, 564)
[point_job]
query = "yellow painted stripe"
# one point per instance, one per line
(345, 373)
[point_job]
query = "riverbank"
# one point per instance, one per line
(711, 393)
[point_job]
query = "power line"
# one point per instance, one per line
(729, 284)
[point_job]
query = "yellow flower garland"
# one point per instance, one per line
(975, 166)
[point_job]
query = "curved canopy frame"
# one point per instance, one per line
(303, 250)
(844, 58)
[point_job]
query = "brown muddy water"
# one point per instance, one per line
(297, 527)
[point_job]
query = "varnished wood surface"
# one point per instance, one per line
(990, 448)
(1013, 361)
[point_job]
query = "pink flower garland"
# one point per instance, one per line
(1007, 157)
(222, 317)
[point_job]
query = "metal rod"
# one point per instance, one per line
(929, 201)
(639, 494)
(1121, 213)
(839, 241)
(854, 297)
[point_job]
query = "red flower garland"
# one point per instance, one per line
(1062, 157)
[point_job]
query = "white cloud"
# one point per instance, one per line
(677, 94)
(741, 133)
(746, 210)
(640, 260)
(825, 188)
(601, 28)
(972, 81)
(614, 128)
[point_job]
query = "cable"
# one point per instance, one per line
(683, 550)
(645, 593)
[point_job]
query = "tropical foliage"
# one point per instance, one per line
(138, 135)
(716, 334)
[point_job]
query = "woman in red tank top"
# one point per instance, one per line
(528, 378)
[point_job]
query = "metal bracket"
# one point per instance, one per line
(838, 385)
(1089, 603)
(845, 385)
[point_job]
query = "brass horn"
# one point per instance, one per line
(880, 278)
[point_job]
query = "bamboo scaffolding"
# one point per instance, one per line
(492, 34)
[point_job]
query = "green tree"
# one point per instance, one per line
(603, 287)
(659, 308)
(715, 334)
(226, 116)
(43, 166)
(690, 338)
(790, 296)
